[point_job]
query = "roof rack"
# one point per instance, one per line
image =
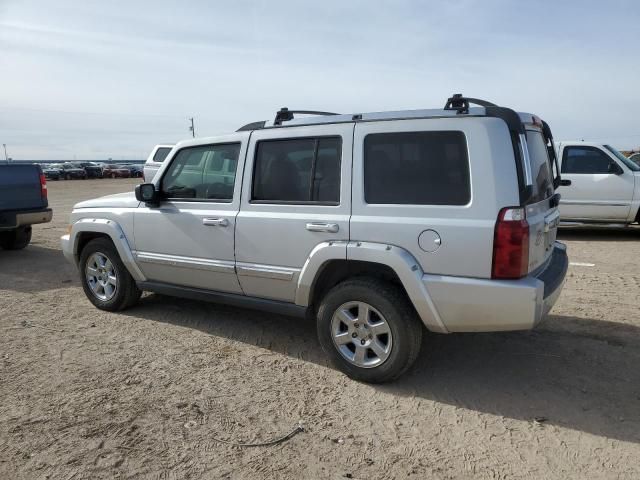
(284, 114)
(461, 104)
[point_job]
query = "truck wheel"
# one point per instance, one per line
(16, 239)
(106, 281)
(369, 330)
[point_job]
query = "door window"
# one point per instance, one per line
(585, 160)
(303, 171)
(204, 172)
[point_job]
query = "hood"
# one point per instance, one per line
(119, 200)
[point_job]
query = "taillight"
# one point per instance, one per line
(510, 244)
(43, 186)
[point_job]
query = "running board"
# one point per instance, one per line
(235, 300)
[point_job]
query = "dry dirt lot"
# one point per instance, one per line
(146, 393)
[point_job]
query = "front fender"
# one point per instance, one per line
(105, 226)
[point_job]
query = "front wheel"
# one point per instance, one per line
(106, 281)
(369, 329)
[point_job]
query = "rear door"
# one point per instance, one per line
(296, 195)
(601, 189)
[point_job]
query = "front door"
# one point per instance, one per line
(601, 188)
(189, 239)
(296, 195)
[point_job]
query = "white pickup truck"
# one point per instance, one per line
(605, 185)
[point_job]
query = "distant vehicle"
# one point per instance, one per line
(93, 170)
(605, 185)
(378, 225)
(23, 202)
(635, 158)
(134, 170)
(51, 173)
(71, 171)
(112, 170)
(155, 160)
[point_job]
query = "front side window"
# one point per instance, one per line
(585, 160)
(416, 168)
(205, 172)
(633, 166)
(305, 170)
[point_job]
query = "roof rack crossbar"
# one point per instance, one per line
(461, 103)
(284, 114)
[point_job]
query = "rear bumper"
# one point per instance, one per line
(482, 305)
(11, 220)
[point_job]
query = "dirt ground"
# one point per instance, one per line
(148, 393)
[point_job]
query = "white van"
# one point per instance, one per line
(154, 161)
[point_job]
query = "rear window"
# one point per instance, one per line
(540, 166)
(161, 154)
(416, 168)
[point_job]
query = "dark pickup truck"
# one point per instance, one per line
(23, 202)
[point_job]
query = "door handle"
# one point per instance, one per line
(323, 227)
(215, 222)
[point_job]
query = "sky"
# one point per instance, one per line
(110, 79)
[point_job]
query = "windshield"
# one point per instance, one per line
(634, 167)
(540, 166)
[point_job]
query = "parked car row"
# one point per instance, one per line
(84, 170)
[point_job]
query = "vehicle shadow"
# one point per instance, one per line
(35, 269)
(573, 372)
(601, 234)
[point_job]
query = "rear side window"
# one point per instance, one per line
(202, 173)
(416, 168)
(161, 154)
(305, 170)
(540, 166)
(585, 160)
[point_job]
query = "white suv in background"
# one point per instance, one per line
(377, 225)
(157, 156)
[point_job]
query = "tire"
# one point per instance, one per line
(112, 297)
(16, 239)
(389, 305)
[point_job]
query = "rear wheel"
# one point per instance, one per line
(16, 239)
(369, 329)
(106, 281)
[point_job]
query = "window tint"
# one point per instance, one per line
(161, 154)
(540, 166)
(298, 170)
(206, 172)
(585, 160)
(419, 168)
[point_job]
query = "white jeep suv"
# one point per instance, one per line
(379, 225)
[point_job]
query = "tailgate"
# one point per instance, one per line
(20, 188)
(543, 223)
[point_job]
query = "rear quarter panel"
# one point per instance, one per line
(467, 231)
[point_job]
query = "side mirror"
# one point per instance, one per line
(615, 169)
(147, 193)
(565, 182)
